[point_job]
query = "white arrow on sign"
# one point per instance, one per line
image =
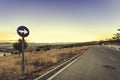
(23, 31)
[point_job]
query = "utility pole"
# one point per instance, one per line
(118, 36)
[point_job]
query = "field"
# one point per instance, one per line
(42, 61)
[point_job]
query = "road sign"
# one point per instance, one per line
(23, 31)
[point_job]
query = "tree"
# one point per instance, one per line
(116, 38)
(18, 45)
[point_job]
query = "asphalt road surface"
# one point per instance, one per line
(98, 63)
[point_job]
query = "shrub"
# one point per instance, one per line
(9, 73)
(37, 49)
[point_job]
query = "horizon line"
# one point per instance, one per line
(11, 41)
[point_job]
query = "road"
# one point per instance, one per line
(98, 63)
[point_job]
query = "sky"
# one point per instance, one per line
(52, 21)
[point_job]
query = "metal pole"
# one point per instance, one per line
(118, 39)
(22, 55)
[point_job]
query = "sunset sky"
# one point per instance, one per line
(60, 20)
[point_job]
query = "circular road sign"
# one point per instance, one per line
(23, 31)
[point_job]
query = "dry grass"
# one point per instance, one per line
(10, 66)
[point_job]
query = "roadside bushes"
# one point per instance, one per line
(37, 49)
(43, 48)
(61, 46)
(9, 73)
(18, 45)
(53, 56)
(10, 67)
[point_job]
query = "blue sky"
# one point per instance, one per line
(60, 20)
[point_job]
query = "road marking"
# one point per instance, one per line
(62, 70)
(66, 67)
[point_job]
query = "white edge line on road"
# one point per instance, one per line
(61, 70)
(65, 67)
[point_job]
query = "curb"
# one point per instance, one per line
(53, 71)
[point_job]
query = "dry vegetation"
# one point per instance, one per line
(10, 66)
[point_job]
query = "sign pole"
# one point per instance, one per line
(23, 32)
(23, 56)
